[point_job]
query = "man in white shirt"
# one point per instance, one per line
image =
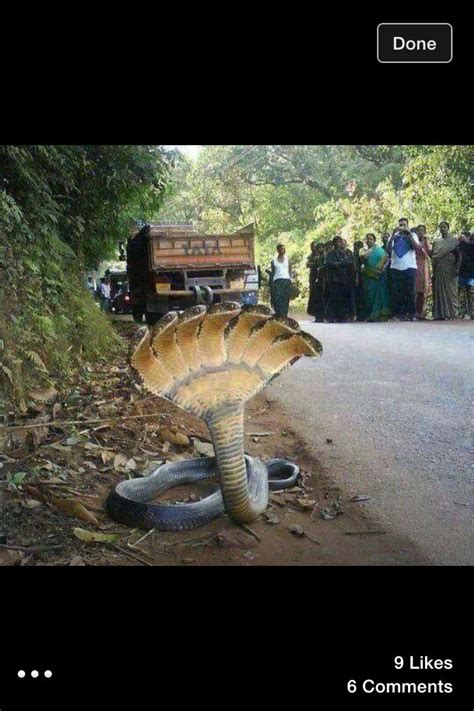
(402, 247)
(104, 290)
(281, 275)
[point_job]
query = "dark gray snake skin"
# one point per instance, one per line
(129, 503)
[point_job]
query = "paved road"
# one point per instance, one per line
(397, 400)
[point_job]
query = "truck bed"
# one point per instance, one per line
(186, 249)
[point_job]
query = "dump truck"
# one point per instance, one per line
(171, 267)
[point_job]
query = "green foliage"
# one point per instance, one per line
(84, 196)
(49, 324)
(437, 185)
(63, 209)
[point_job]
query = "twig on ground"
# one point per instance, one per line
(250, 532)
(29, 549)
(135, 545)
(132, 555)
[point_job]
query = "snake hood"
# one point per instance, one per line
(210, 361)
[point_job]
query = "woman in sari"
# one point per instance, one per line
(374, 280)
(340, 282)
(423, 282)
(314, 263)
(446, 259)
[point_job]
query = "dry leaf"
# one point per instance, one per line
(305, 504)
(77, 560)
(168, 435)
(90, 502)
(43, 395)
(120, 462)
(206, 449)
(31, 503)
(38, 435)
(60, 447)
(106, 455)
(296, 530)
(57, 407)
(131, 465)
(76, 509)
(90, 537)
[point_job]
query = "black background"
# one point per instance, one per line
(122, 638)
(142, 637)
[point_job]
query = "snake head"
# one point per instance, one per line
(207, 357)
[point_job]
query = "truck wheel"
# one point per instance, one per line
(137, 313)
(152, 318)
(208, 296)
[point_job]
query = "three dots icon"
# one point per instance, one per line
(35, 674)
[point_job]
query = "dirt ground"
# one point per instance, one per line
(54, 481)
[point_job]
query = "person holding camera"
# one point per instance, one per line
(402, 248)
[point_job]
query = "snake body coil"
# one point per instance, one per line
(129, 501)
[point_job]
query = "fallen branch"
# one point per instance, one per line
(361, 533)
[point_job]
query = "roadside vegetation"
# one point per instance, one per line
(62, 210)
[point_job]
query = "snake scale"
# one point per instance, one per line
(209, 361)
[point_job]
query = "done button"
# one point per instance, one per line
(414, 43)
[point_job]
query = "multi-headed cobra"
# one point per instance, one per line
(210, 362)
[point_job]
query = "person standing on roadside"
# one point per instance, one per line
(315, 263)
(281, 281)
(402, 248)
(340, 269)
(104, 290)
(446, 259)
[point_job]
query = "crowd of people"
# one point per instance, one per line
(390, 279)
